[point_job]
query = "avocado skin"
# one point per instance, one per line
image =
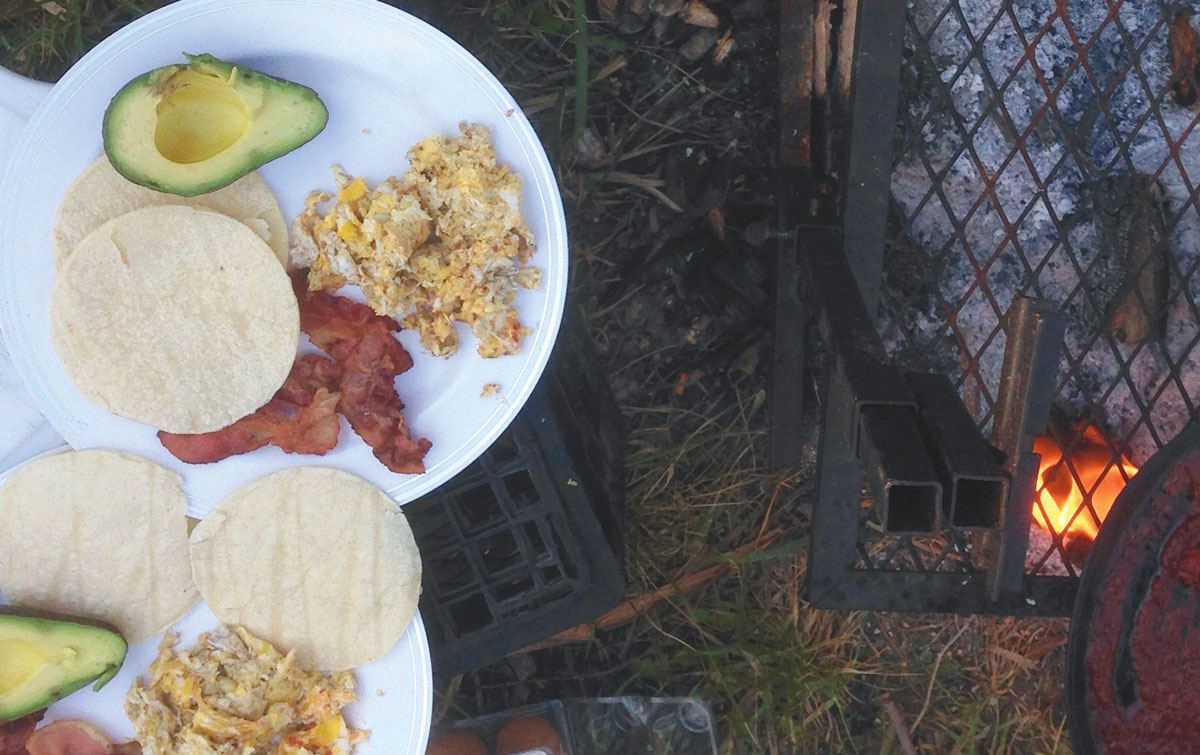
(221, 170)
(99, 655)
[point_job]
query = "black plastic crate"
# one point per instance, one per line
(526, 542)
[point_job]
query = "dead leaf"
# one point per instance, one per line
(53, 8)
(612, 67)
(725, 46)
(666, 7)
(747, 362)
(631, 23)
(700, 43)
(717, 219)
(1185, 58)
(606, 9)
(589, 148)
(698, 14)
(1016, 658)
(660, 26)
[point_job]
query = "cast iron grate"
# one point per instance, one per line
(1046, 148)
(526, 541)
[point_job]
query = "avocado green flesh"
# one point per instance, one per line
(43, 660)
(189, 129)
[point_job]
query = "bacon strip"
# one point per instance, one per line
(371, 358)
(300, 418)
(14, 734)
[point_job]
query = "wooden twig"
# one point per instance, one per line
(893, 713)
(445, 701)
(634, 607)
(648, 185)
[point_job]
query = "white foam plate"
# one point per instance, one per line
(388, 80)
(395, 693)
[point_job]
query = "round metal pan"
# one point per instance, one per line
(1120, 567)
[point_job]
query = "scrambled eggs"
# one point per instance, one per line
(234, 694)
(444, 243)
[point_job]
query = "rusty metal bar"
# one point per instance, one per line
(797, 54)
(798, 202)
(1034, 344)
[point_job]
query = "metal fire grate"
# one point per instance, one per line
(1041, 148)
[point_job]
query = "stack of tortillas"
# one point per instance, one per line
(100, 194)
(172, 314)
(97, 534)
(311, 559)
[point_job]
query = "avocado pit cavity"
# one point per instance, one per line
(199, 116)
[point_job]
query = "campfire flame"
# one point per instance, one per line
(1060, 491)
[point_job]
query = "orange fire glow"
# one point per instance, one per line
(1060, 492)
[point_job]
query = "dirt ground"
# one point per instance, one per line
(659, 117)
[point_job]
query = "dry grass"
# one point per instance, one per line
(790, 678)
(975, 684)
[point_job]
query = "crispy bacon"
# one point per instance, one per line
(339, 326)
(371, 358)
(14, 734)
(300, 418)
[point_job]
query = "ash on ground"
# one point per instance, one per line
(1014, 150)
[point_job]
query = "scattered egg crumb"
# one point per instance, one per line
(489, 389)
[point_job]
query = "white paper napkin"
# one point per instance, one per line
(24, 432)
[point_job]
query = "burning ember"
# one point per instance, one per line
(1064, 485)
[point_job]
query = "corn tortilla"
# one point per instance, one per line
(97, 534)
(100, 194)
(312, 559)
(176, 317)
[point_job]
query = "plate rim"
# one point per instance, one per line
(546, 335)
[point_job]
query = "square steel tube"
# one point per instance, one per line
(898, 469)
(974, 488)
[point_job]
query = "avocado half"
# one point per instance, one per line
(189, 129)
(43, 660)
